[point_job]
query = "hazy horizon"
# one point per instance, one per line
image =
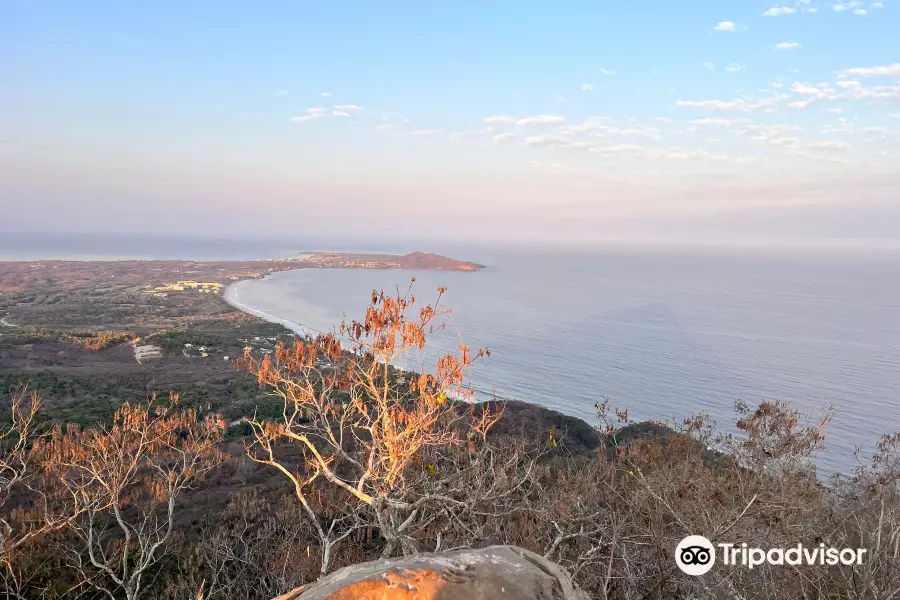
(768, 122)
(16, 246)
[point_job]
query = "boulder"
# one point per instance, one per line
(493, 573)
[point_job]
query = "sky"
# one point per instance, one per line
(531, 121)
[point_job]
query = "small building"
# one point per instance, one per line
(147, 351)
(190, 283)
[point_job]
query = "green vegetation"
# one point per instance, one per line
(104, 309)
(216, 335)
(90, 340)
(84, 377)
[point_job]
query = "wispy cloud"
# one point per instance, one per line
(830, 159)
(842, 6)
(539, 120)
(723, 105)
(559, 98)
(593, 136)
(325, 94)
(550, 141)
(500, 119)
(885, 71)
(608, 72)
(830, 145)
(776, 135)
(844, 91)
(312, 114)
(737, 105)
(701, 124)
(860, 12)
(777, 11)
(732, 117)
(281, 93)
(725, 26)
(812, 94)
(850, 128)
(504, 137)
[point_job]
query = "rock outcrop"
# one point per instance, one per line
(493, 573)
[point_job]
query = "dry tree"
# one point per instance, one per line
(32, 504)
(16, 465)
(403, 453)
(125, 480)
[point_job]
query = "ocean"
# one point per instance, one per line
(663, 332)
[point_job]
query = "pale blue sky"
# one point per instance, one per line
(509, 119)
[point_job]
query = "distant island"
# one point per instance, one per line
(413, 260)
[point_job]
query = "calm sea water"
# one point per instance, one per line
(665, 333)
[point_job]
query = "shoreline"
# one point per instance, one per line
(232, 297)
(469, 393)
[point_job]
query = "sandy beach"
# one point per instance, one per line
(232, 297)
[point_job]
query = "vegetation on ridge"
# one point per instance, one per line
(377, 463)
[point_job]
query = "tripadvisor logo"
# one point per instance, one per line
(696, 555)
